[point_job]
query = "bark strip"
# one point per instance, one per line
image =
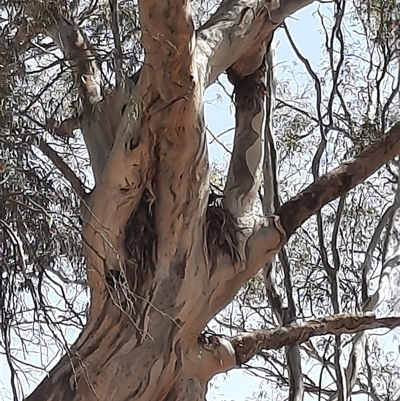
(339, 181)
(244, 175)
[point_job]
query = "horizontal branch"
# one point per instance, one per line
(272, 232)
(338, 182)
(247, 345)
(64, 168)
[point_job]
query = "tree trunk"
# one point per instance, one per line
(161, 261)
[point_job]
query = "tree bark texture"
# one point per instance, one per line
(161, 262)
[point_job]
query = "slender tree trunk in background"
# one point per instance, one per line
(161, 262)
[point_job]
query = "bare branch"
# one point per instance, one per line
(245, 168)
(270, 203)
(74, 44)
(270, 200)
(270, 183)
(268, 236)
(72, 41)
(247, 345)
(357, 354)
(64, 168)
(236, 32)
(339, 181)
(117, 42)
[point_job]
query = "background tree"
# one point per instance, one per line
(122, 86)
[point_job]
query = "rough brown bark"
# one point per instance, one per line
(339, 181)
(248, 345)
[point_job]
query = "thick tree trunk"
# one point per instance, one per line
(144, 345)
(161, 262)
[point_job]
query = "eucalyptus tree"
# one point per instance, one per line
(162, 257)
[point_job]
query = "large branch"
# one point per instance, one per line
(244, 175)
(338, 182)
(75, 46)
(248, 345)
(98, 124)
(268, 236)
(77, 50)
(163, 151)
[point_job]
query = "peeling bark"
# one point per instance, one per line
(152, 179)
(245, 169)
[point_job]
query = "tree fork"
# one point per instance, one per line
(164, 152)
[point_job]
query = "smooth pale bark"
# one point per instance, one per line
(244, 175)
(100, 116)
(152, 177)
